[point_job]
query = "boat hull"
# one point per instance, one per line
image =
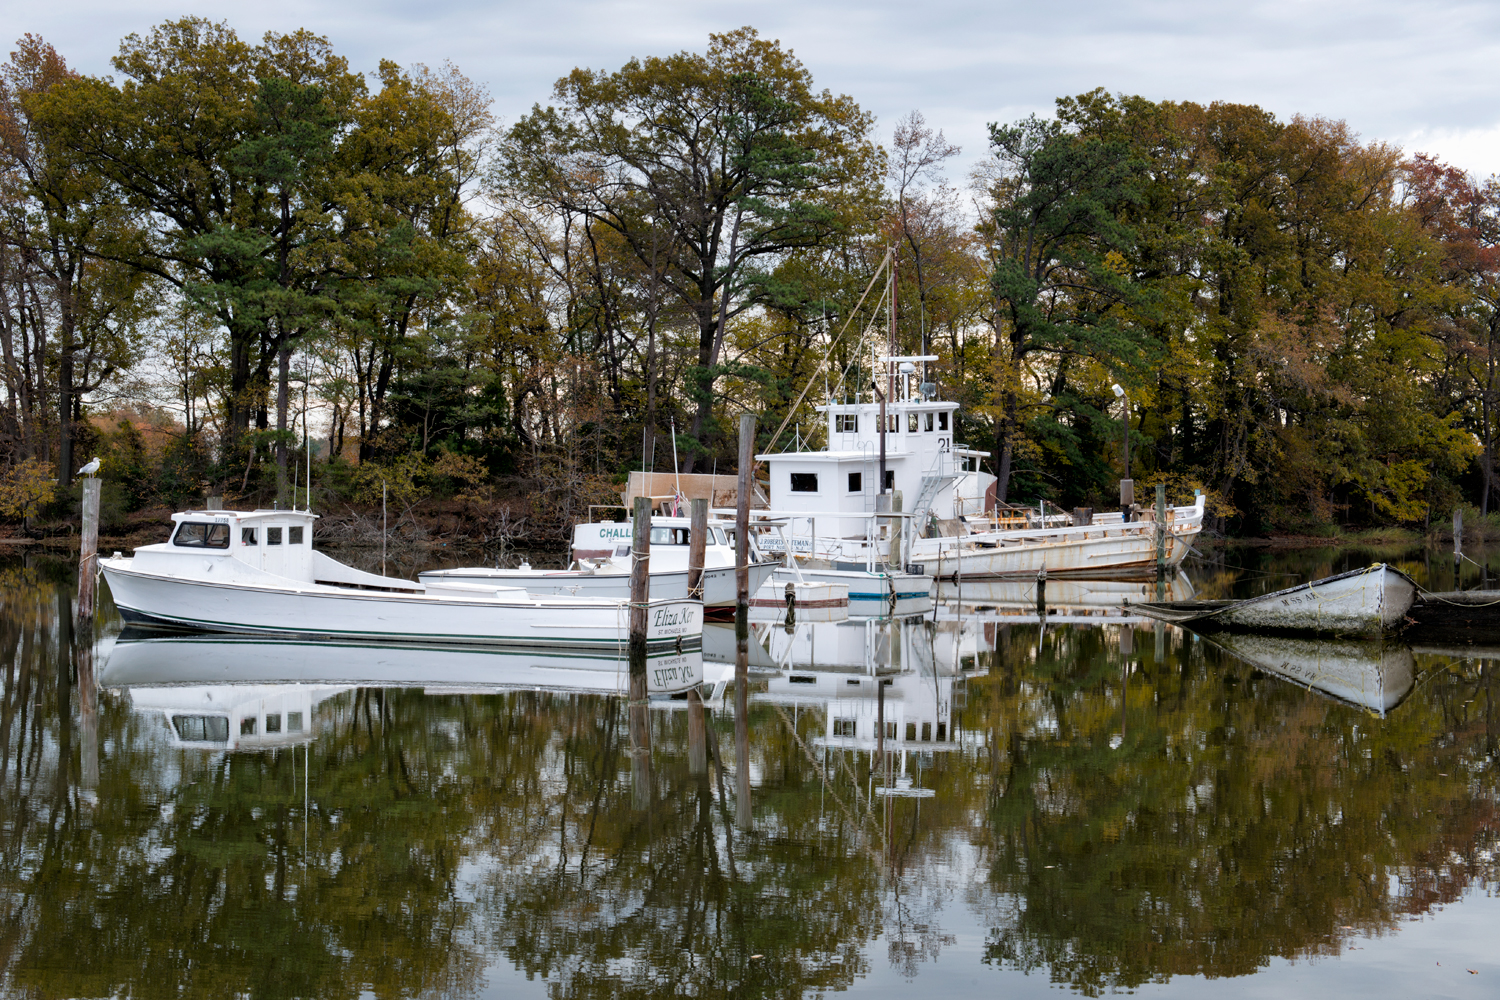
(718, 583)
(313, 611)
(1115, 552)
(871, 595)
(1370, 673)
(1361, 602)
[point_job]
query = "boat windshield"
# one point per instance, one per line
(202, 535)
(669, 536)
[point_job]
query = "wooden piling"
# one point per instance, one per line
(742, 512)
(640, 579)
(1041, 594)
(697, 539)
(1161, 541)
(1458, 542)
(88, 554)
(1127, 498)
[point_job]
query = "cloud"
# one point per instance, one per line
(1399, 72)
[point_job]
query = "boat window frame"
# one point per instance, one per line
(212, 726)
(793, 478)
(273, 534)
(856, 482)
(208, 538)
(927, 428)
(248, 536)
(911, 422)
(295, 534)
(846, 423)
(943, 420)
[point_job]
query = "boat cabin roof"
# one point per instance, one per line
(245, 515)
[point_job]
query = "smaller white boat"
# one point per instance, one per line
(1361, 602)
(801, 602)
(601, 566)
(256, 572)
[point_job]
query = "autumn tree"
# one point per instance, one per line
(726, 160)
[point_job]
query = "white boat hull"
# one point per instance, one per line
(319, 611)
(871, 595)
(1364, 601)
(1090, 551)
(719, 593)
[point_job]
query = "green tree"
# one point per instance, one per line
(725, 160)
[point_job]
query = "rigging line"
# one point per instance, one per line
(885, 263)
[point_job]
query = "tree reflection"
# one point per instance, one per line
(1189, 816)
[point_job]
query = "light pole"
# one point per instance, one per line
(1127, 485)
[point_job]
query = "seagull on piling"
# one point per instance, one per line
(90, 469)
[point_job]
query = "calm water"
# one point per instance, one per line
(1086, 807)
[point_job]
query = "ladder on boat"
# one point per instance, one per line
(944, 473)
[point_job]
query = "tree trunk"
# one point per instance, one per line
(283, 369)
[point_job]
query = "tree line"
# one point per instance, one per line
(1303, 322)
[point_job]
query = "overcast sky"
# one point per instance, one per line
(1422, 75)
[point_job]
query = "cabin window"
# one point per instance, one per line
(804, 482)
(926, 732)
(294, 722)
(247, 726)
(890, 730)
(856, 482)
(719, 536)
(843, 727)
(928, 426)
(273, 536)
(622, 550)
(202, 535)
(890, 479)
(846, 423)
(201, 728)
(294, 535)
(273, 722)
(669, 536)
(943, 421)
(942, 734)
(911, 423)
(247, 536)
(801, 679)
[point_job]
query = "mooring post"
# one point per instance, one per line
(1161, 541)
(1458, 543)
(697, 539)
(1127, 498)
(88, 553)
(743, 816)
(640, 580)
(1041, 594)
(742, 517)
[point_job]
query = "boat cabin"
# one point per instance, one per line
(611, 540)
(922, 461)
(274, 541)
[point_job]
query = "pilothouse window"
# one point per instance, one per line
(856, 481)
(201, 728)
(804, 482)
(202, 535)
(273, 536)
(846, 423)
(247, 536)
(943, 421)
(294, 535)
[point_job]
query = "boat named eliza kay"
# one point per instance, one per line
(828, 499)
(256, 572)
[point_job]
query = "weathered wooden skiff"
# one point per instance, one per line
(1361, 602)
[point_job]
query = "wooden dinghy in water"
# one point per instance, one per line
(1365, 601)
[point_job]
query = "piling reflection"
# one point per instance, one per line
(840, 799)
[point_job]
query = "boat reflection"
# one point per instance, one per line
(235, 716)
(1063, 595)
(146, 659)
(1369, 673)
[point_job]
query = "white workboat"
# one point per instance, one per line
(600, 568)
(1369, 673)
(256, 572)
(828, 500)
(1361, 602)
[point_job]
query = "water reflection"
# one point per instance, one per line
(1004, 797)
(1370, 673)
